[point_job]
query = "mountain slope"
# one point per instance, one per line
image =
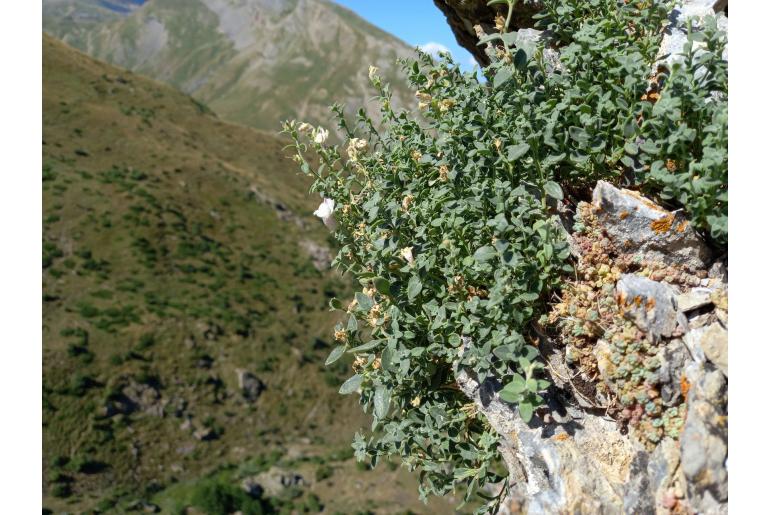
(255, 62)
(176, 259)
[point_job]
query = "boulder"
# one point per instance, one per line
(651, 305)
(639, 227)
(273, 481)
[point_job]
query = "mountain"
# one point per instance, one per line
(255, 62)
(185, 323)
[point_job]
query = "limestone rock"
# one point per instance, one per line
(714, 344)
(704, 440)
(673, 359)
(581, 466)
(649, 304)
(694, 299)
(640, 227)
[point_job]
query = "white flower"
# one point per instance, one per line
(305, 127)
(373, 72)
(406, 253)
(320, 135)
(326, 213)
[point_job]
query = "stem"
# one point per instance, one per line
(511, 3)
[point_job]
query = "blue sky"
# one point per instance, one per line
(417, 22)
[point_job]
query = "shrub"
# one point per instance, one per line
(323, 472)
(216, 497)
(449, 220)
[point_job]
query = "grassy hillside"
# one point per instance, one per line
(175, 256)
(255, 62)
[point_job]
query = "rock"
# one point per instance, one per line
(250, 385)
(146, 397)
(709, 342)
(704, 440)
(663, 472)
(321, 255)
(694, 299)
(639, 227)
(649, 304)
(592, 470)
(275, 480)
(673, 359)
(463, 17)
(713, 341)
(718, 271)
(205, 434)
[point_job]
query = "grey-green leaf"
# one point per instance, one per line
(351, 385)
(335, 354)
(517, 151)
(525, 410)
(553, 190)
(485, 253)
(414, 287)
(381, 401)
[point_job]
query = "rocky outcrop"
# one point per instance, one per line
(636, 419)
(468, 18)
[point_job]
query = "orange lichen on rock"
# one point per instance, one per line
(684, 384)
(682, 226)
(623, 215)
(561, 437)
(662, 225)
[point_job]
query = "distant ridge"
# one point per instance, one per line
(255, 62)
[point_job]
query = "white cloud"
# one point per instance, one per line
(433, 48)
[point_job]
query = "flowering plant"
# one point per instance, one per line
(449, 220)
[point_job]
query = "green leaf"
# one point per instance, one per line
(510, 397)
(455, 340)
(553, 190)
(381, 401)
(502, 76)
(366, 346)
(335, 354)
(532, 385)
(351, 385)
(517, 151)
(335, 303)
(364, 301)
(484, 253)
(631, 148)
(414, 287)
(382, 285)
(516, 385)
(578, 134)
(520, 59)
(525, 410)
